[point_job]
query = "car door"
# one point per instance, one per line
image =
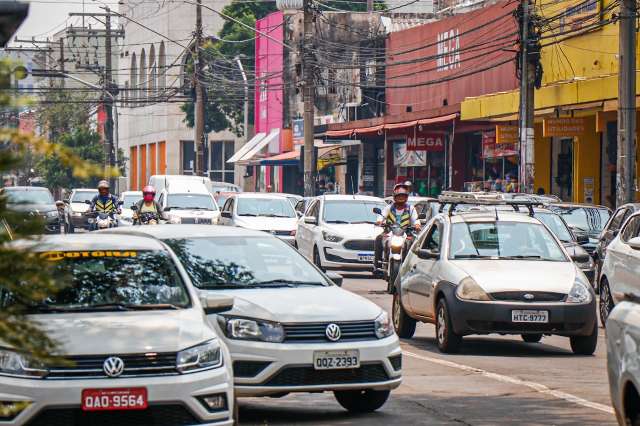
(627, 270)
(421, 289)
(305, 236)
(614, 225)
(228, 208)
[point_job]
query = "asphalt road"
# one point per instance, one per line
(493, 380)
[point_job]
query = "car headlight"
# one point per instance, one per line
(19, 365)
(175, 220)
(331, 237)
(52, 213)
(198, 358)
(383, 326)
(76, 214)
(468, 289)
(579, 293)
(248, 329)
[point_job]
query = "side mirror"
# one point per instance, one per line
(634, 243)
(134, 208)
(581, 258)
(213, 304)
(120, 202)
(582, 239)
(422, 216)
(377, 210)
(226, 214)
(427, 254)
(87, 202)
(311, 220)
(299, 214)
(335, 278)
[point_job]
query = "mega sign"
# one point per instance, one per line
(448, 50)
(426, 142)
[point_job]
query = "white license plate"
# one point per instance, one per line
(336, 360)
(530, 316)
(365, 257)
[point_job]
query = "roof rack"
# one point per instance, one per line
(455, 198)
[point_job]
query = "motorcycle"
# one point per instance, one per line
(98, 220)
(146, 218)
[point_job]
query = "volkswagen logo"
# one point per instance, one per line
(529, 296)
(113, 366)
(333, 332)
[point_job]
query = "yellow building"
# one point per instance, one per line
(580, 66)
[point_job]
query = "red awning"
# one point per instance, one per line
(401, 125)
(372, 129)
(338, 133)
(440, 119)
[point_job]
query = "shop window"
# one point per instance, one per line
(219, 169)
(188, 157)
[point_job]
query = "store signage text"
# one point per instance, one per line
(563, 127)
(448, 50)
(426, 142)
(506, 134)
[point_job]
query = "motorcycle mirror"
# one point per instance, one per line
(422, 216)
(60, 204)
(167, 209)
(377, 210)
(135, 208)
(120, 202)
(335, 278)
(87, 202)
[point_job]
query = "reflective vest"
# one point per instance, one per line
(108, 206)
(405, 217)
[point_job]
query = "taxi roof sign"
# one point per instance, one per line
(457, 197)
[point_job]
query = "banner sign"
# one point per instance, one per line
(405, 158)
(433, 142)
(563, 127)
(298, 129)
(506, 134)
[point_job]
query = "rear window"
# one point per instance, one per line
(82, 196)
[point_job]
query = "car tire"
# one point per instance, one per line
(362, 401)
(585, 345)
(448, 341)
(394, 269)
(605, 305)
(404, 325)
(236, 412)
(532, 338)
(69, 229)
(316, 259)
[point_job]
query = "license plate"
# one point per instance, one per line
(114, 399)
(336, 360)
(530, 316)
(365, 257)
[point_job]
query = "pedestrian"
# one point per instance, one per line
(269, 188)
(409, 185)
(540, 191)
(362, 190)
(497, 185)
(331, 188)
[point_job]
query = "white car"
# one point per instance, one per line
(291, 329)
(128, 199)
(75, 208)
(270, 213)
(135, 346)
(338, 232)
(620, 272)
(484, 272)
(189, 203)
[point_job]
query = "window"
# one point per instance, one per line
(631, 229)
(312, 211)
(220, 170)
(619, 219)
(432, 241)
(265, 207)
(188, 157)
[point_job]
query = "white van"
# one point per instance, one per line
(161, 182)
(188, 201)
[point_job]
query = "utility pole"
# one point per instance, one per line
(308, 93)
(626, 167)
(369, 6)
(526, 113)
(198, 137)
(108, 102)
(61, 41)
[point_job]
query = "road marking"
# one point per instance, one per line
(507, 379)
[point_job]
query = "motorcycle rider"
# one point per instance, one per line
(148, 203)
(104, 202)
(400, 211)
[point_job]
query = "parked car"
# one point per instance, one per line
(133, 339)
(620, 272)
(623, 340)
(270, 213)
(291, 328)
(37, 201)
(338, 232)
(189, 203)
(302, 205)
(460, 273)
(586, 220)
(611, 230)
(162, 182)
(215, 186)
(293, 198)
(128, 200)
(76, 207)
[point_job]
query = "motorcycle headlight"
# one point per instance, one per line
(396, 241)
(198, 358)
(468, 289)
(383, 326)
(248, 329)
(18, 365)
(52, 213)
(175, 220)
(579, 293)
(331, 237)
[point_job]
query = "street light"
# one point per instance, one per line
(246, 99)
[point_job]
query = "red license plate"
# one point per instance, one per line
(114, 399)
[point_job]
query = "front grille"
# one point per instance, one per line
(396, 362)
(308, 376)
(510, 327)
(195, 220)
(338, 259)
(363, 245)
(158, 415)
(278, 233)
(315, 332)
(538, 296)
(246, 369)
(90, 366)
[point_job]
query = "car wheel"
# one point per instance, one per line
(605, 306)
(236, 412)
(532, 338)
(394, 269)
(404, 325)
(69, 228)
(362, 401)
(585, 345)
(448, 340)
(316, 259)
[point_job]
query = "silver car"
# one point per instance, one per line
(135, 344)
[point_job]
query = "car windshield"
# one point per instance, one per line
(351, 211)
(242, 262)
(191, 201)
(503, 240)
(112, 280)
(557, 226)
(588, 219)
(31, 196)
(130, 199)
(269, 207)
(82, 196)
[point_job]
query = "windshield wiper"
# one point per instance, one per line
(247, 214)
(522, 256)
(337, 221)
(151, 307)
(471, 256)
(274, 215)
(363, 221)
(284, 283)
